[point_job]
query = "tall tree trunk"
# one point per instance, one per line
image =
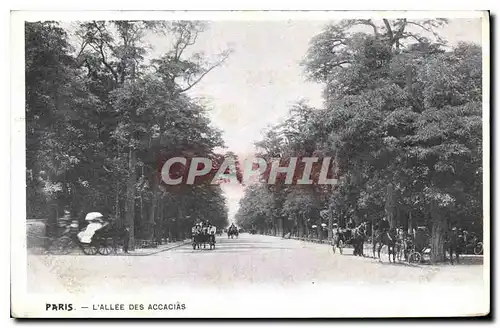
(130, 205)
(152, 212)
(300, 226)
(410, 223)
(117, 201)
(390, 205)
(306, 226)
(180, 216)
(437, 234)
(409, 80)
(330, 222)
(281, 227)
(159, 218)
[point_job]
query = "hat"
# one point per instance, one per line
(92, 216)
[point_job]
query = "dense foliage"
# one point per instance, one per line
(102, 118)
(403, 121)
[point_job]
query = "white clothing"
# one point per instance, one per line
(86, 235)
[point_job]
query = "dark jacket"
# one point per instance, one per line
(383, 225)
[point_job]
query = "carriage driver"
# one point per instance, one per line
(383, 226)
(208, 225)
(197, 228)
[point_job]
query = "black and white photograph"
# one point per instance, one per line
(250, 164)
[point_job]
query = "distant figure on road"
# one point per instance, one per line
(126, 239)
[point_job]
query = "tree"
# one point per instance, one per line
(105, 113)
(58, 136)
(148, 98)
(380, 106)
(402, 119)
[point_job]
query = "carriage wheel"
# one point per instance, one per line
(89, 249)
(478, 249)
(105, 248)
(415, 257)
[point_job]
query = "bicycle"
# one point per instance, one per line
(54, 245)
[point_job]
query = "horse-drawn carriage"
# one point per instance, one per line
(341, 238)
(232, 232)
(470, 243)
(100, 235)
(352, 237)
(97, 237)
(103, 242)
(39, 241)
(203, 235)
(415, 248)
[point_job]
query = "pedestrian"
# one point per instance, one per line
(74, 229)
(126, 239)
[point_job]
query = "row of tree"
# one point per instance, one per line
(102, 116)
(403, 121)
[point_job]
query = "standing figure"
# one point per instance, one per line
(126, 239)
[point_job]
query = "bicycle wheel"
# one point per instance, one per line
(478, 249)
(414, 257)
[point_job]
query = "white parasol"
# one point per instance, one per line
(93, 215)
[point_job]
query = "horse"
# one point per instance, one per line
(401, 245)
(358, 239)
(388, 238)
(232, 231)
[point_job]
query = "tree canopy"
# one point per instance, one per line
(102, 118)
(402, 118)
